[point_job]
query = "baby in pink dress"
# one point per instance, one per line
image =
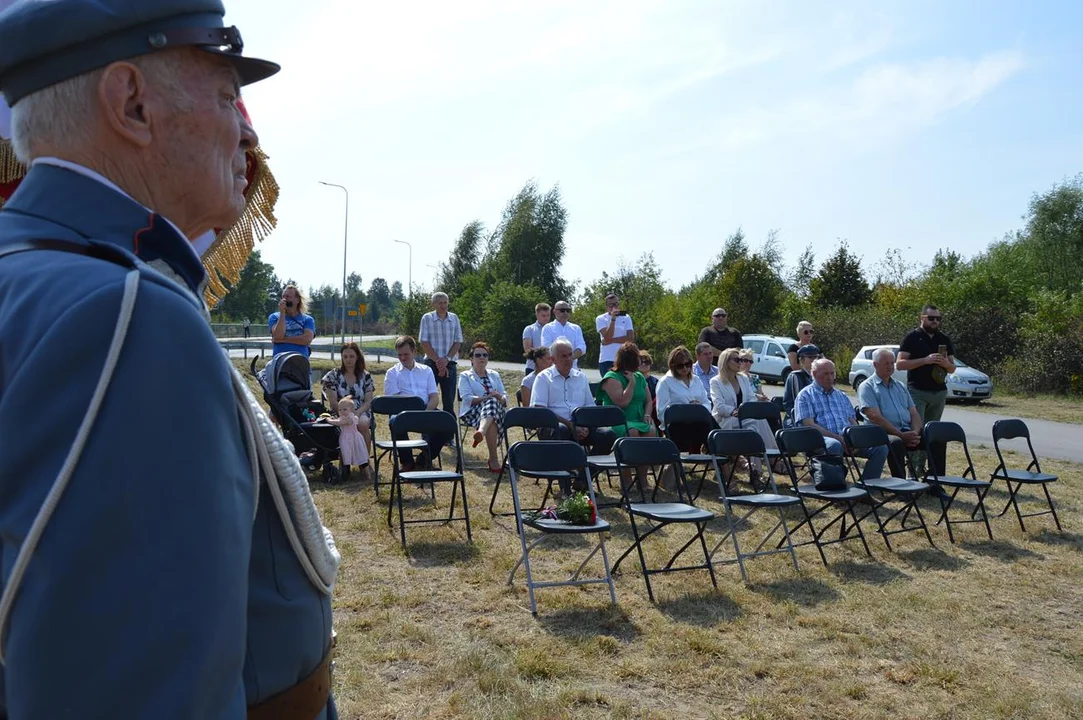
(352, 447)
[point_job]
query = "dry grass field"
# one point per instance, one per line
(977, 629)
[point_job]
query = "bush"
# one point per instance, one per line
(982, 336)
(1048, 364)
(839, 330)
(506, 310)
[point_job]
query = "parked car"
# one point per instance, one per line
(966, 383)
(769, 357)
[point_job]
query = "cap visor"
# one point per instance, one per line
(249, 70)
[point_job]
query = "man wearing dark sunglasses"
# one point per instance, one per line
(563, 327)
(928, 356)
(719, 334)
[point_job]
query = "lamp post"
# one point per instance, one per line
(345, 236)
(410, 269)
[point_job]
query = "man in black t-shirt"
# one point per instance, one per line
(719, 335)
(928, 357)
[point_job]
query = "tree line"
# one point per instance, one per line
(1014, 310)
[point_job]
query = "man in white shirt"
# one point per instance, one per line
(561, 327)
(562, 388)
(408, 377)
(532, 334)
(614, 328)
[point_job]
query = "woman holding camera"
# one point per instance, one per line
(291, 329)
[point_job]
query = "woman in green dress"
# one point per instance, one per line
(625, 387)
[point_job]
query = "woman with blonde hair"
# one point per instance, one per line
(804, 337)
(730, 388)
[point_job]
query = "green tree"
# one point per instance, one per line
(752, 293)
(529, 244)
(803, 271)
(1054, 237)
(255, 294)
(464, 260)
(505, 306)
(840, 282)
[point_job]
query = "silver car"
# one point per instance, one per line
(965, 383)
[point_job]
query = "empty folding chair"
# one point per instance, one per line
(553, 456)
(939, 431)
(747, 443)
(688, 425)
(596, 417)
(530, 420)
(1032, 475)
(809, 442)
(426, 422)
(636, 452)
(390, 405)
(885, 490)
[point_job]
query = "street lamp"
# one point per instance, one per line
(345, 235)
(410, 270)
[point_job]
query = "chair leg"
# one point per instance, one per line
(789, 540)
(1052, 510)
(466, 508)
(860, 532)
(402, 519)
(700, 528)
(642, 558)
(736, 545)
(984, 514)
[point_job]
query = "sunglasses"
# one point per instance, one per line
(936, 318)
(683, 366)
(743, 360)
(719, 315)
(481, 355)
(564, 309)
(644, 362)
(806, 332)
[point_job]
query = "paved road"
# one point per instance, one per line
(1062, 441)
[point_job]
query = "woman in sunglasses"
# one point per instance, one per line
(731, 388)
(483, 402)
(804, 337)
(680, 387)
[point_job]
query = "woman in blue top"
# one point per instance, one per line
(625, 387)
(291, 329)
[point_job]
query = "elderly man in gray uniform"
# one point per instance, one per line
(162, 554)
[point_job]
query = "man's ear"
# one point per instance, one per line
(122, 93)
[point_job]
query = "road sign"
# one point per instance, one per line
(362, 307)
(352, 313)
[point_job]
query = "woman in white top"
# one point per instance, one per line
(681, 387)
(542, 360)
(730, 389)
(483, 401)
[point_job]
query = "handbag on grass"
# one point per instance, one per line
(829, 472)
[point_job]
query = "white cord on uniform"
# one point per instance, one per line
(22, 560)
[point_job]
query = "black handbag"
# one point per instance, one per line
(829, 472)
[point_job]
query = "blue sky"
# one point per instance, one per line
(912, 125)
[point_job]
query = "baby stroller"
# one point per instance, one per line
(287, 389)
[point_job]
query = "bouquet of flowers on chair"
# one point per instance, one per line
(576, 509)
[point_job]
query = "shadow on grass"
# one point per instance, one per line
(933, 559)
(867, 572)
(578, 624)
(427, 553)
(1000, 550)
(1063, 539)
(807, 592)
(706, 609)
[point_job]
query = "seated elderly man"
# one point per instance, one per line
(562, 388)
(828, 410)
(887, 403)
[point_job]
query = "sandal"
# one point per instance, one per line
(478, 437)
(496, 469)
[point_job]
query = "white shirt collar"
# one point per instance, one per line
(98, 177)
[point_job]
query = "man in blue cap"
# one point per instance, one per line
(162, 554)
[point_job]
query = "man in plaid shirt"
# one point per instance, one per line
(440, 336)
(828, 410)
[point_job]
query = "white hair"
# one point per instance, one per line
(62, 115)
(821, 362)
(437, 296)
(560, 342)
(881, 353)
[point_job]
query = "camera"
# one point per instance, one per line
(289, 303)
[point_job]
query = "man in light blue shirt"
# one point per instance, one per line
(704, 368)
(887, 403)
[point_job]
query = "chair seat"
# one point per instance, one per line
(852, 492)
(402, 444)
(547, 474)
(1025, 476)
(957, 481)
(602, 461)
(696, 458)
(670, 512)
(558, 527)
(424, 476)
(764, 500)
(896, 485)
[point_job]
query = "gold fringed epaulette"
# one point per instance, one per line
(227, 257)
(11, 169)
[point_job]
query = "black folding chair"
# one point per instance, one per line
(809, 442)
(646, 451)
(391, 405)
(1032, 475)
(535, 459)
(748, 444)
(939, 431)
(594, 417)
(594, 387)
(528, 419)
(884, 490)
(688, 420)
(427, 422)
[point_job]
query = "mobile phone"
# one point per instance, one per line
(289, 303)
(943, 349)
(622, 313)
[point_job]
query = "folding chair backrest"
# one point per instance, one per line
(688, 413)
(596, 416)
(395, 404)
(806, 440)
(758, 410)
(547, 456)
(1010, 429)
(531, 418)
(425, 422)
(942, 431)
(863, 437)
(519, 397)
(639, 451)
(594, 386)
(732, 443)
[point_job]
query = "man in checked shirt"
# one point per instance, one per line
(440, 336)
